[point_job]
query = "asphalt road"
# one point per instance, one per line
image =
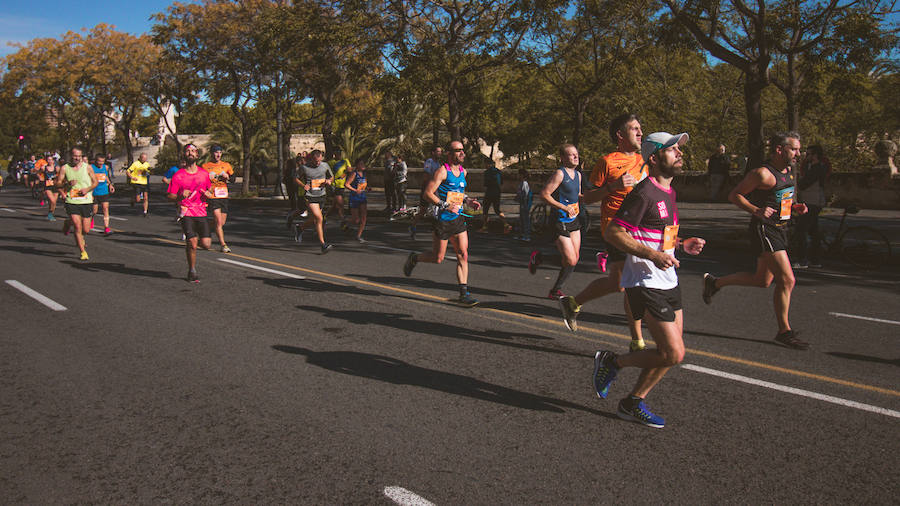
(330, 379)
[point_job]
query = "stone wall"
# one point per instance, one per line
(868, 190)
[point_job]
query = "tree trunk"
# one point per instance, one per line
(453, 110)
(245, 154)
(790, 93)
(753, 86)
(435, 133)
(578, 120)
(279, 140)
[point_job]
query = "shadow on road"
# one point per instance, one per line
(391, 370)
(408, 323)
(865, 358)
(29, 250)
(119, 269)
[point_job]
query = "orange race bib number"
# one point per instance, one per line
(786, 200)
(220, 192)
(74, 193)
(101, 178)
(362, 186)
(670, 237)
(316, 183)
(785, 213)
(455, 198)
(575, 207)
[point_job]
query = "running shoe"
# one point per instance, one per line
(344, 227)
(709, 287)
(410, 263)
(50, 217)
(304, 214)
(84, 256)
(192, 277)
(570, 310)
(602, 258)
(789, 339)
(107, 231)
(361, 240)
(605, 371)
(412, 232)
(636, 345)
(640, 414)
(298, 234)
(226, 249)
(467, 300)
(42, 203)
(555, 294)
(92, 223)
(534, 261)
(326, 248)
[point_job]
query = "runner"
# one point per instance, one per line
(219, 173)
(51, 191)
(446, 191)
(611, 180)
(431, 166)
(339, 167)
(562, 192)
(39, 167)
(313, 176)
(359, 207)
(78, 180)
(31, 178)
(103, 190)
(190, 187)
(646, 229)
(138, 174)
(767, 194)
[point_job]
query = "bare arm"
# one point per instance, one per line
(758, 178)
(616, 235)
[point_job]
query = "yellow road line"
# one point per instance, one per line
(717, 356)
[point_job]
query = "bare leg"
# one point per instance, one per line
(656, 362)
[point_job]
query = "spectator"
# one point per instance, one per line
(811, 190)
(717, 166)
(525, 197)
(400, 173)
(390, 193)
(493, 182)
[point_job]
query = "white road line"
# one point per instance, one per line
(404, 497)
(264, 269)
(35, 295)
(117, 218)
(8, 209)
(795, 391)
(879, 320)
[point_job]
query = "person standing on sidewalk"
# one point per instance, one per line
(390, 192)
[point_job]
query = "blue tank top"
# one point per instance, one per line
(102, 180)
(454, 186)
(359, 180)
(567, 193)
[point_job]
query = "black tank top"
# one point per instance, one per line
(780, 197)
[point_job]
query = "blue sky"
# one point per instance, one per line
(23, 20)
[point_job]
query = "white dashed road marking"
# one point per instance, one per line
(866, 318)
(404, 497)
(264, 269)
(52, 304)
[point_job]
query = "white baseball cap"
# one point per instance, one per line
(660, 140)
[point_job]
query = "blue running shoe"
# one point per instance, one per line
(605, 371)
(640, 414)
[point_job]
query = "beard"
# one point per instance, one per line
(190, 159)
(672, 170)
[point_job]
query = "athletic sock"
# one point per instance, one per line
(631, 402)
(564, 274)
(463, 289)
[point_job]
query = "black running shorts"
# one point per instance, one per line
(218, 204)
(83, 210)
(765, 238)
(447, 229)
(99, 199)
(661, 304)
(563, 229)
(320, 201)
(194, 226)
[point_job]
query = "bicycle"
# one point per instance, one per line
(859, 245)
(407, 213)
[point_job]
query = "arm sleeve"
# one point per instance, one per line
(599, 174)
(632, 211)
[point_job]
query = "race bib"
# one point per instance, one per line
(220, 192)
(74, 193)
(786, 199)
(362, 186)
(455, 198)
(101, 178)
(316, 183)
(575, 205)
(670, 237)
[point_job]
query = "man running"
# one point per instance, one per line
(339, 167)
(767, 194)
(646, 229)
(431, 166)
(138, 174)
(103, 190)
(611, 180)
(447, 191)
(190, 187)
(562, 192)
(78, 181)
(220, 172)
(313, 176)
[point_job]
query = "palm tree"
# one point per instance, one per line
(262, 144)
(412, 129)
